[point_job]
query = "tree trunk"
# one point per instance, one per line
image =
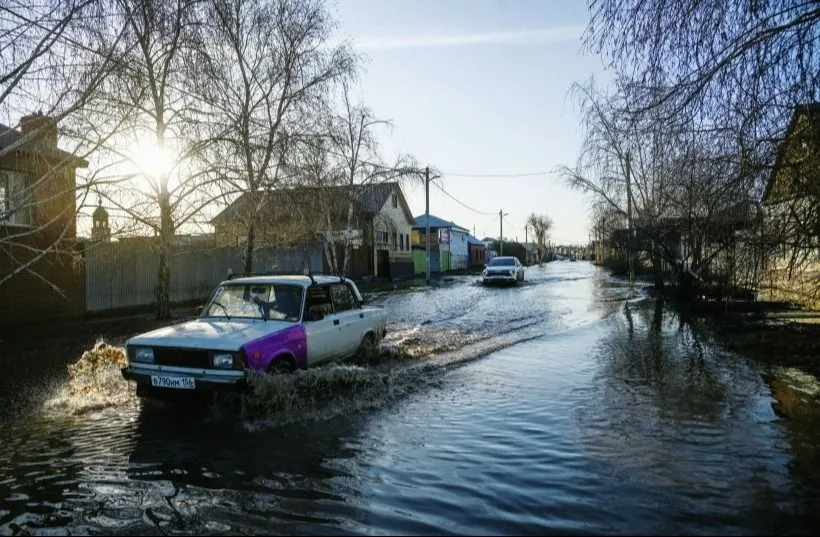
(330, 255)
(249, 246)
(657, 268)
(348, 253)
(166, 232)
(348, 247)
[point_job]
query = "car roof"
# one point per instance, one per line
(504, 257)
(291, 279)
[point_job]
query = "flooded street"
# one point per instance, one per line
(559, 406)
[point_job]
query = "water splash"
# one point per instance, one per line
(95, 382)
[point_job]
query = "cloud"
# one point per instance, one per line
(556, 34)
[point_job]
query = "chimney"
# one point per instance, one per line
(32, 122)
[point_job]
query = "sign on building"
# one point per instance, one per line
(444, 235)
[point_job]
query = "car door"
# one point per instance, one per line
(321, 325)
(350, 316)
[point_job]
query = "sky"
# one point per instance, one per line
(480, 87)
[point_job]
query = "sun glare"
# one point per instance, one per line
(151, 160)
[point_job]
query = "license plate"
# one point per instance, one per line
(180, 383)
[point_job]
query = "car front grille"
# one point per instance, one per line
(182, 357)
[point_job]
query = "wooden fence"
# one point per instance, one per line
(119, 275)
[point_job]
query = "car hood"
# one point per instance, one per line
(214, 334)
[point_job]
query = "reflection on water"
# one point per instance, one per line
(564, 405)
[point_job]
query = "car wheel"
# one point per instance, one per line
(367, 349)
(281, 366)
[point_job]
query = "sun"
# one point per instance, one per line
(152, 161)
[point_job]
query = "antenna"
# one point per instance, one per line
(310, 274)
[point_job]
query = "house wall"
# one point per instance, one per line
(394, 221)
(478, 256)
(55, 193)
(26, 297)
(459, 250)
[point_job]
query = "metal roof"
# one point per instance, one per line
(300, 279)
(436, 222)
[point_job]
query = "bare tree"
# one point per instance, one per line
(541, 225)
(53, 58)
(681, 181)
(354, 144)
(267, 64)
(743, 67)
(153, 176)
(743, 57)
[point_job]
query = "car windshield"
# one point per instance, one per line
(502, 262)
(279, 302)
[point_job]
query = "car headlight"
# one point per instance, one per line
(144, 355)
(512, 271)
(223, 361)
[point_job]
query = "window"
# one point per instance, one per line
(395, 200)
(394, 240)
(16, 199)
(264, 301)
(342, 297)
(381, 237)
(318, 300)
(401, 241)
(407, 240)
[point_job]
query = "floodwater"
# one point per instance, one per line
(564, 405)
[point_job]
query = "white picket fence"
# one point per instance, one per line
(125, 275)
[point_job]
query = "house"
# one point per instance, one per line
(478, 252)
(792, 211)
(374, 218)
(449, 248)
(38, 224)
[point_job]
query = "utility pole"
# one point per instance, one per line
(501, 216)
(629, 253)
(427, 216)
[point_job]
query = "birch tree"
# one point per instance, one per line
(267, 65)
(354, 145)
(541, 225)
(154, 177)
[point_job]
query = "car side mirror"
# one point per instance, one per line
(199, 310)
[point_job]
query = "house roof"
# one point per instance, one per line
(368, 198)
(436, 222)
(812, 113)
(473, 240)
(10, 137)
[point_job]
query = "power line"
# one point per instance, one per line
(497, 175)
(461, 202)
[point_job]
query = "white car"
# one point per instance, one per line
(272, 324)
(507, 269)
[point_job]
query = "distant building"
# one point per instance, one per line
(100, 230)
(449, 249)
(478, 252)
(380, 234)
